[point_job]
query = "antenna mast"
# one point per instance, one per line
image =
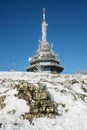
(44, 26)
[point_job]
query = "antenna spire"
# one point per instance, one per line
(44, 14)
(44, 26)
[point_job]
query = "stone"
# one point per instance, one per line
(29, 95)
(25, 84)
(34, 111)
(2, 104)
(12, 112)
(49, 110)
(38, 99)
(28, 116)
(2, 98)
(0, 125)
(74, 81)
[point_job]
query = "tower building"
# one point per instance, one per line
(44, 59)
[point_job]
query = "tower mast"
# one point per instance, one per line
(44, 26)
(44, 59)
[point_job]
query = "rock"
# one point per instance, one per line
(74, 81)
(2, 98)
(66, 110)
(38, 99)
(50, 109)
(2, 104)
(28, 116)
(12, 112)
(41, 95)
(0, 125)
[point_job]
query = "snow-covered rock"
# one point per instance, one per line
(69, 91)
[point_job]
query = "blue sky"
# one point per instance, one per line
(20, 31)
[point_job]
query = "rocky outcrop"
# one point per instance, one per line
(2, 104)
(38, 99)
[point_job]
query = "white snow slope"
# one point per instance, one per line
(70, 90)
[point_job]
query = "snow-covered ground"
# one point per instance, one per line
(69, 90)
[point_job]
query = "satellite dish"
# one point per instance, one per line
(29, 59)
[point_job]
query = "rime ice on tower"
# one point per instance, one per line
(44, 60)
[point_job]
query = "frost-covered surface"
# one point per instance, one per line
(70, 90)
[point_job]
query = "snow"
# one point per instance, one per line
(73, 116)
(14, 107)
